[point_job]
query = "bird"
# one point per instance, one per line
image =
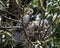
(36, 21)
(18, 31)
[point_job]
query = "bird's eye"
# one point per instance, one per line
(30, 11)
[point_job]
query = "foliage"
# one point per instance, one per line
(45, 35)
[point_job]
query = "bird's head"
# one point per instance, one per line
(30, 11)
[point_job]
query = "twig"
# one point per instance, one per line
(14, 27)
(10, 18)
(7, 12)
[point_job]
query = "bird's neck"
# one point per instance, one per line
(29, 14)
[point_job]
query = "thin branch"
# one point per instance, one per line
(50, 26)
(10, 18)
(7, 12)
(41, 2)
(14, 27)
